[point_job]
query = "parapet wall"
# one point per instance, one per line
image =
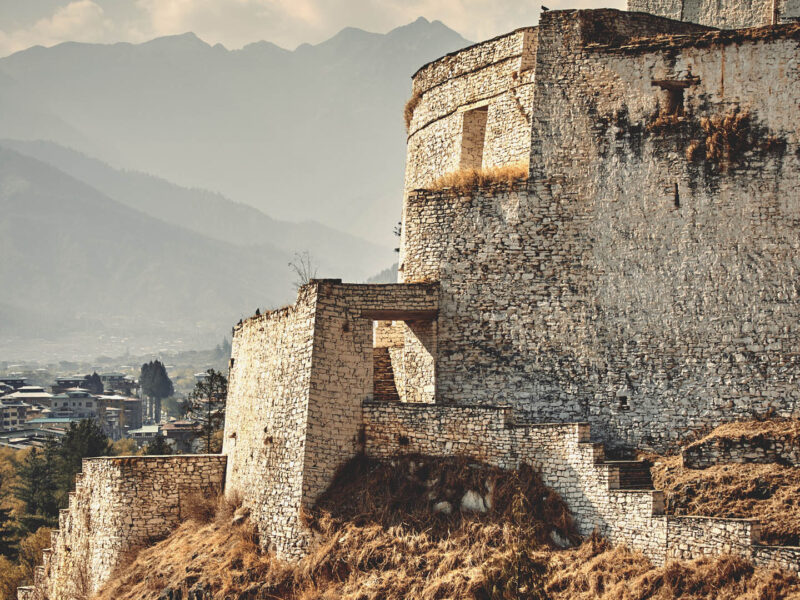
(726, 14)
(576, 469)
(484, 92)
(118, 505)
(297, 380)
(628, 284)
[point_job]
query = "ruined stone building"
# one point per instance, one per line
(639, 283)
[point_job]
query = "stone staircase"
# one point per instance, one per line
(383, 384)
(633, 474)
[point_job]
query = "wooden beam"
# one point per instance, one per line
(400, 315)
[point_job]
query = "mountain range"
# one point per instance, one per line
(109, 233)
(310, 134)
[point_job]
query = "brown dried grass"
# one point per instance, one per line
(767, 492)
(410, 107)
(596, 571)
(755, 431)
(727, 138)
(377, 538)
(467, 180)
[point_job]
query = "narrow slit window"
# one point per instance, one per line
(473, 135)
(674, 96)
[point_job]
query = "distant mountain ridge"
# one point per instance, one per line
(315, 133)
(213, 215)
(80, 261)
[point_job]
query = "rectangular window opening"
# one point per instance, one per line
(473, 135)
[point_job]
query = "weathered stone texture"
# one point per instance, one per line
(726, 14)
(494, 77)
(266, 418)
(592, 292)
(118, 505)
(575, 468)
(297, 380)
(760, 449)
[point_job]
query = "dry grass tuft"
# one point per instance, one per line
(377, 538)
(727, 136)
(755, 430)
(767, 492)
(467, 180)
(200, 508)
(596, 572)
(411, 105)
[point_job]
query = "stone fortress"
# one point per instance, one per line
(641, 282)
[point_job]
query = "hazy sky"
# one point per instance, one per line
(234, 23)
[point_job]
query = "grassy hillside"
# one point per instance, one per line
(375, 540)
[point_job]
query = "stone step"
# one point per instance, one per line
(383, 383)
(633, 474)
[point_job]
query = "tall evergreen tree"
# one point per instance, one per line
(156, 385)
(37, 489)
(93, 383)
(207, 403)
(9, 532)
(83, 440)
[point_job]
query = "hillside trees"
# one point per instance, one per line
(37, 489)
(86, 439)
(45, 477)
(156, 385)
(93, 383)
(207, 403)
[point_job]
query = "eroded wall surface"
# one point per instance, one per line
(725, 14)
(495, 76)
(575, 468)
(118, 505)
(628, 284)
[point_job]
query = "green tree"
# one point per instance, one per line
(158, 446)
(8, 529)
(93, 383)
(206, 403)
(83, 440)
(37, 489)
(156, 385)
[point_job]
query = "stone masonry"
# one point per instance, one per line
(726, 14)
(640, 283)
(575, 468)
(119, 504)
(297, 380)
(625, 284)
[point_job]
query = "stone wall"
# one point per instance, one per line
(118, 505)
(490, 82)
(760, 449)
(624, 284)
(570, 463)
(265, 422)
(297, 380)
(726, 14)
(575, 468)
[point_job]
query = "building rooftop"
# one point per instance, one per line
(145, 430)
